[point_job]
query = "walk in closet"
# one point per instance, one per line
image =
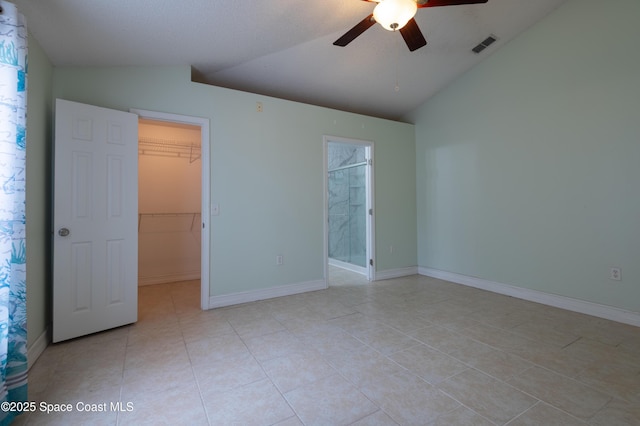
(169, 191)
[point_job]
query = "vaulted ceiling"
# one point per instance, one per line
(282, 48)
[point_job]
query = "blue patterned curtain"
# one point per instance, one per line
(13, 262)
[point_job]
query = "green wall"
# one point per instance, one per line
(39, 116)
(528, 165)
(267, 171)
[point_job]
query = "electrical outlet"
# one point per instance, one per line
(258, 106)
(615, 274)
(279, 259)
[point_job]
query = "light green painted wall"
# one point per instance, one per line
(38, 197)
(267, 171)
(528, 166)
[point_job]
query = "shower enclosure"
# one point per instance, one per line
(347, 199)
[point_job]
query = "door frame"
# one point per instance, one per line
(370, 229)
(205, 172)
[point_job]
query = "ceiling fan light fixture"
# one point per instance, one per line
(394, 14)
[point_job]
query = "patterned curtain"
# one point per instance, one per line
(13, 262)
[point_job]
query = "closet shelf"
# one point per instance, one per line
(168, 222)
(169, 148)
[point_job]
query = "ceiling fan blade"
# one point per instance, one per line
(412, 35)
(354, 32)
(438, 3)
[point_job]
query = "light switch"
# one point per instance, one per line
(215, 209)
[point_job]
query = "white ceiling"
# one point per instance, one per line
(282, 48)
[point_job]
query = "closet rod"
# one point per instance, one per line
(169, 148)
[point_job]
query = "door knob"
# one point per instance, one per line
(63, 232)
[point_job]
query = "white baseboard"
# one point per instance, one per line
(38, 347)
(163, 279)
(563, 302)
(395, 273)
(266, 293)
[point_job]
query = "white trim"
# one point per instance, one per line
(265, 293)
(396, 273)
(563, 302)
(370, 270)
(325, 207)
(37, 348)
(205, 172)
(371, 223)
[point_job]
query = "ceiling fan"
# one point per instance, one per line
(397, 15)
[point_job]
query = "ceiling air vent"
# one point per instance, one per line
(484, 44)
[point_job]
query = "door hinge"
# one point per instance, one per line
(370, 212)
(371, 262)
(370, 161)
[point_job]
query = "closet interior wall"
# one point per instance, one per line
(169, 191)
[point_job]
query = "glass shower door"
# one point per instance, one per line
(348, 206)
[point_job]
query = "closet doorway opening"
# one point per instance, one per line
(173, 188)
(349, 206)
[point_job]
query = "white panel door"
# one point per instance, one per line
(95, 241)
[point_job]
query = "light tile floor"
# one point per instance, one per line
(408, 351)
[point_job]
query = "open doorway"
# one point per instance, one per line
(173, 200)
(169, 192)
(349, 206)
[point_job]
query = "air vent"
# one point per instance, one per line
(484, 44)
